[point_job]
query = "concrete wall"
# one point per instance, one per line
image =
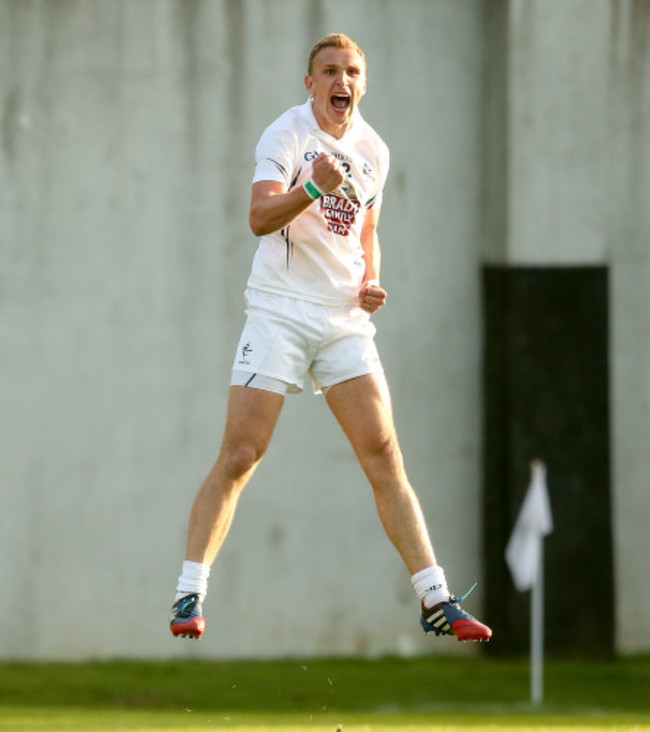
(566, 182)
(626, 185)
(127, 147)
(127, 133)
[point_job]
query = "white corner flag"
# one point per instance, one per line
(525, 557)
(523, 553)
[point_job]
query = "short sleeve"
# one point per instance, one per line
(275, 156)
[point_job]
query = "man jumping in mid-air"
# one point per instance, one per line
(316, 196)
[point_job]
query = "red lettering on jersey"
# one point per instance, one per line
(340, 212)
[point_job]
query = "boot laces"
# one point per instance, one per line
(455, 600)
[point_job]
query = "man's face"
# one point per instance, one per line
(337, 83)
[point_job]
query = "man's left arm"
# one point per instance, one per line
(371, 296)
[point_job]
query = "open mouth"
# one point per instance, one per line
(340, 102)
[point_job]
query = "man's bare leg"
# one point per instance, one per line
(251, 419)
(363, 409)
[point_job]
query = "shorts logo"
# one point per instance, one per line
(246, 350)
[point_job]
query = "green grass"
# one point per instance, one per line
(434, 693)
(94, 721)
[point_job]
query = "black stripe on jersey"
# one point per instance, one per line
(295, 180)
(289, 244)
(280, 167)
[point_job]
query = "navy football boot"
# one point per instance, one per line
(449, 618)
(186, 619)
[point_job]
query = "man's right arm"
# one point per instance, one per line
(273, 206)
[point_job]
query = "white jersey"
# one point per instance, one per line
(318, 257)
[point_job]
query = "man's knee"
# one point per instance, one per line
(382, 453)
(240, 459)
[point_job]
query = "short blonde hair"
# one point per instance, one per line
(333, 40)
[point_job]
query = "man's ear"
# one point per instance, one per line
(308, 83)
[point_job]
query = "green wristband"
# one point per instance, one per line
(312, 190)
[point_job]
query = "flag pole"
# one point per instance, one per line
(537, 632)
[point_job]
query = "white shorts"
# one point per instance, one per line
(285, 339)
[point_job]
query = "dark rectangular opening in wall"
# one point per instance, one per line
(546, 396)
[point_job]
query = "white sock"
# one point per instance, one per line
(193, 580)
(431, 585)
